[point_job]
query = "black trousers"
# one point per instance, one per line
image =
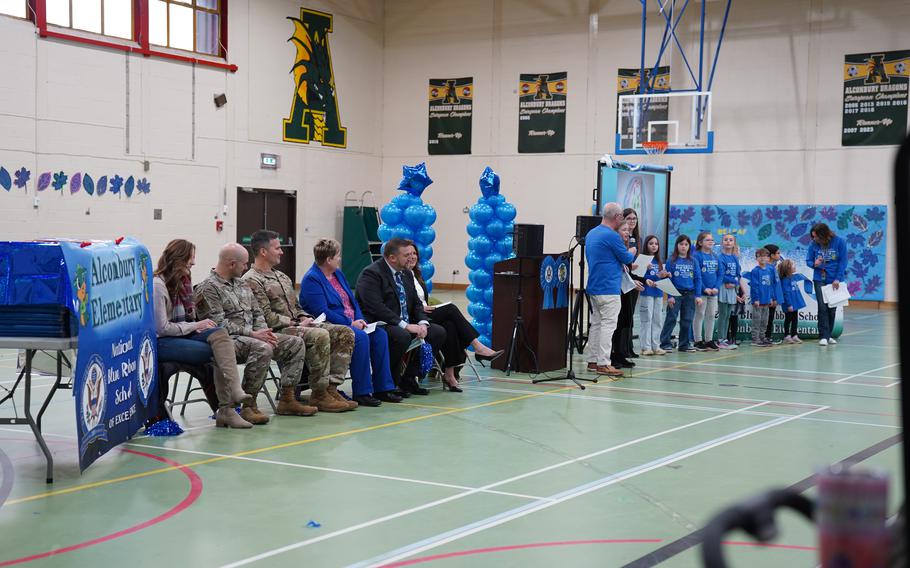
(622, 336)
(790, 319)
(399, 339)
(459, 333)
(771, 311)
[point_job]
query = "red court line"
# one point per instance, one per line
(509, 548)
(195, 491)
(518, 547)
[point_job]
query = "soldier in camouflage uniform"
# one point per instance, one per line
(328, 346)
(228, 301)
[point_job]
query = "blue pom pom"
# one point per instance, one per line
(166, 427)
(426, 358)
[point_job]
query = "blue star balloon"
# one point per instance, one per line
(414, 179)
(489, 182)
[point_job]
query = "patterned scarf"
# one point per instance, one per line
(184, 306)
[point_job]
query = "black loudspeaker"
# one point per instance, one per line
(527, 240)
(583, 224)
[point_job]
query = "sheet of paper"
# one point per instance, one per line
(832, 296)
(320, 318)
(440, 305)
(643, 261)
(370, 328)
(627, 283)
(667, 287)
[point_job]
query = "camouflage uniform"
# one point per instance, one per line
(329, 346)
(231, 304)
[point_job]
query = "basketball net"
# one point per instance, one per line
(655, 149)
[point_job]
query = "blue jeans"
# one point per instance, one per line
(684, 309)
(192, 349)
(825, 314)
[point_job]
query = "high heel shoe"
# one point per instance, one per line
(496, 354)
(447, 387)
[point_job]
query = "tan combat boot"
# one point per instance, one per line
(333, 392)
(250, 413)
(288, 405)
(325, 402)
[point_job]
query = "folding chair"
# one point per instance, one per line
(203, 375)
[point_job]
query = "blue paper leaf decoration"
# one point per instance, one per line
(44, 180)
(102, 185)
(128, 187)
(6, 181)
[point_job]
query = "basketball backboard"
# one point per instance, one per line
(682, 119)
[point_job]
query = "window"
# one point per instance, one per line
(107, 17)
(13, 8)
(193, 25)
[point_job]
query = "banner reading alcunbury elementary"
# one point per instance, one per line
(116, 366)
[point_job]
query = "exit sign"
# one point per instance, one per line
(268, 161)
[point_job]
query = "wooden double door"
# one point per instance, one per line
(275, 210)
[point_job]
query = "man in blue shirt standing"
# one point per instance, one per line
(607, 256)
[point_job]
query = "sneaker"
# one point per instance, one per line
(733, 346)
(689, 349)
(659, 351)
(823, 342)
(796, 339)
(701, 346)
(592, 365)
(761, 344)
(788, 339)
(774, 341)
(667, 349)
(646, 352)
(832, 341)
(723, 345)
(712, 345)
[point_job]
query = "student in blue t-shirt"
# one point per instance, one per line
(765, 293)
(687, 279)
(792, 300)
(827, 255)
(711, 276)
(651, 302)
(727, 299)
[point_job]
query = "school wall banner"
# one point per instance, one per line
(542, 112)
(788, 226)
(875, 98)
(116, 367)
(451, 113)
(628, 83)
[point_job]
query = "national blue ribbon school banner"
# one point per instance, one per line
(116, 366)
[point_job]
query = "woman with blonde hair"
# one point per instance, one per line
(183, 339)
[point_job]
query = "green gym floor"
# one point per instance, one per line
(506, 474)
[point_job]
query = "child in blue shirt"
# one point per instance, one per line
(773, 261)
(687, 279)
(764, 290)
(792, 299)
(711, 276)
(727, 298)
(651, 301)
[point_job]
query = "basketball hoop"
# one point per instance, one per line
(656, 147)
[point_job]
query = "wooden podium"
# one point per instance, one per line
(546, 329)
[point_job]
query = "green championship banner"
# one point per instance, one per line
(542, 113)
(451, 110)
(628, 83)
(875, 98)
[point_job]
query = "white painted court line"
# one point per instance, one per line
(336, 470)
(894, 383)
(507, 516)
(443, 501)
(754, 376)
(694, 407)
(729, 366)
(867, 372)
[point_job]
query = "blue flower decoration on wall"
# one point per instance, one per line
(22, 177)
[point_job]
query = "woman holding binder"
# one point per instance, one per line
(827, 255)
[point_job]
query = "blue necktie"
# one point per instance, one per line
(402, 298)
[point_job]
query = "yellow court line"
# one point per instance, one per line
(430, 406)
(274, 447)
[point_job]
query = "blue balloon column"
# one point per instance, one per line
(408, 217)
(490, 229)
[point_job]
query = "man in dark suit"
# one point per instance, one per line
(385, 291)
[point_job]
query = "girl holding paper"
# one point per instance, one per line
(711, 276)
(728, 298)
(652, 299)
(827, 255)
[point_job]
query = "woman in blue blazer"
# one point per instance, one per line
(324, 290)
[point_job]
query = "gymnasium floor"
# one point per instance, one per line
(505, 474)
